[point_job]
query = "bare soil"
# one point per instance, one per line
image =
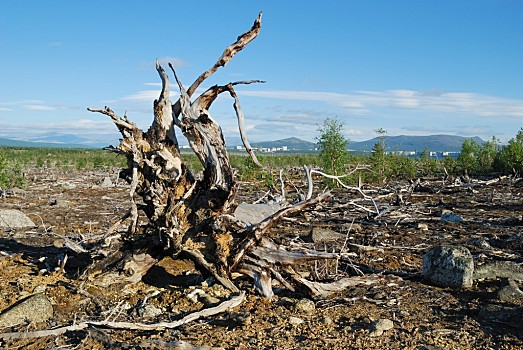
(74, 206)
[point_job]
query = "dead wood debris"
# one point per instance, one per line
(228, 304)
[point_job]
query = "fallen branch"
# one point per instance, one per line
(321, 290)
(228, 304)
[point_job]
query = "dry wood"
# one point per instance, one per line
(192, 214)
(224, 306)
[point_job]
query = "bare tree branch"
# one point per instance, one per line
(229, 53)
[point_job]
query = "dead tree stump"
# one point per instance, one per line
(192, 214)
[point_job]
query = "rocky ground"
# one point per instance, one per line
(41, 289)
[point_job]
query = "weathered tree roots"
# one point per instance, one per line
(193, 214)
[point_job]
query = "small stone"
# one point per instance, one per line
(479, 242)
(379, 295)
(320, 235)
(353, 227)
(295, 320)
(59, 243)
(510, 292)
(449, 216)
(68, 185)
(326, 320)
(193, 295)
(62, 203)
(209, 300)
(422, 226)
(449, 266)
(149, 311)
(305, 306)
(36, 308)
(244, 319)
(286, 302)
(380, 326)
(367, 320)
(11, 218)
(106, 183)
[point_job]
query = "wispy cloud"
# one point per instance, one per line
(361, 102)
(164, 62)
(142, 96)
(82, 125)
(91, 131)
(40, 107)
(175, 61)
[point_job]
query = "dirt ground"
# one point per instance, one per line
(76, 207)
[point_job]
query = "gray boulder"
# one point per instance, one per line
(449, 266)
(11, 218)
(36, 308)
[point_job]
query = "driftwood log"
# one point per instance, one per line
(193, 213)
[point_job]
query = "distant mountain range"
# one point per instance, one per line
(61, 138)
(434, 143)
(19, 143)
(292, 143)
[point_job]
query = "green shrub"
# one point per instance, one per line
(510, 158)
(11, 173)
(333, 146)
(467, 160)
(399, 166)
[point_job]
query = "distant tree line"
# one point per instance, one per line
(491, 157)
(487, 159)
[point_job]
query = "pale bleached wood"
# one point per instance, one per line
(224, 306)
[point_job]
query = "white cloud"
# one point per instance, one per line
(80, 126)
(88, 131)
(364, 102)
(40, 108)
(354, 132)
(145, 95)
(4, 109)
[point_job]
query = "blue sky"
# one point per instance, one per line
(411, 67)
